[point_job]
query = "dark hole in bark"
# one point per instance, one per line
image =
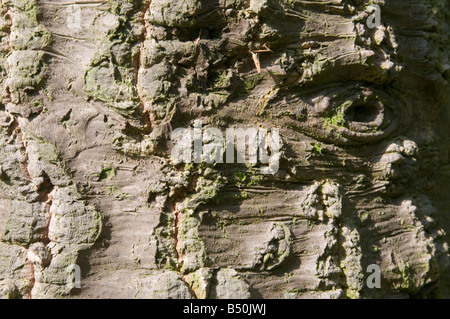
(364, 113)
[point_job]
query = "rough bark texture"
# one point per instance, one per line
(86, 178)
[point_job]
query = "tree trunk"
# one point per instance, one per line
(91, 178)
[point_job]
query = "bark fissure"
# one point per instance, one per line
(138, 66)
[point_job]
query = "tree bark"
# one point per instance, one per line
(91, 92)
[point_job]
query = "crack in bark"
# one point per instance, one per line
(45, 189)
(178, 251)
(138, 65)
(176, 237)
(48, 202)
(32, 280)
(24, 143)
(177, 224)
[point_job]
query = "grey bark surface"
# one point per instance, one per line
(87, 109)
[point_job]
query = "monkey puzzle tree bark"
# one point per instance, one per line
(92, 91)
